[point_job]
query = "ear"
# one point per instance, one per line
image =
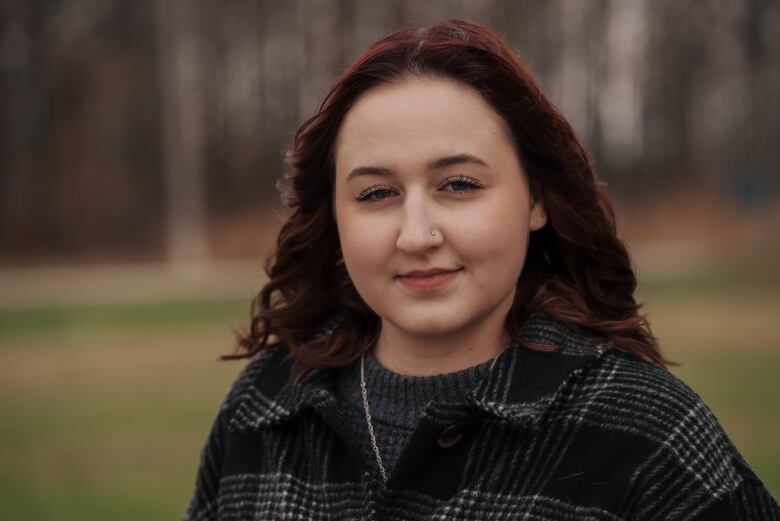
(538, 216)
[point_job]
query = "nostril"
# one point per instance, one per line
(417, 238)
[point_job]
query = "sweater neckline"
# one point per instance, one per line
(398, 399)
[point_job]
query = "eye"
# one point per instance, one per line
(374, 194)
(462, 184)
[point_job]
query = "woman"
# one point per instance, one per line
(449, 329)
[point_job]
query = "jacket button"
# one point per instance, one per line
(449, 436)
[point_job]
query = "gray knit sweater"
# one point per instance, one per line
(396, 402)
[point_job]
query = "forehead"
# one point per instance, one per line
(418, 118)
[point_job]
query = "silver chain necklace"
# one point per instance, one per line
(368, 418)
(364, 392)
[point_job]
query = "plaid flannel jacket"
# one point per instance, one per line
(584, 433)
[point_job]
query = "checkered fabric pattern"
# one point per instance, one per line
(584, 433)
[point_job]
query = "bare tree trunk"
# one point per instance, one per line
(318, 22)
(573, 74)
(620, 99)
(181, 78)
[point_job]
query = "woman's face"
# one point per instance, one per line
(422, 155)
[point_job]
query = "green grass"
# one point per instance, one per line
(107, 428)
(19, 324)
(105, 408)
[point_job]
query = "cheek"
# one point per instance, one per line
(497, 241)
(363, 245)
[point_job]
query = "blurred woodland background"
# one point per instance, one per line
(139, 146)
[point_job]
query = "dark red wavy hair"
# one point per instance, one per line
(576, 270)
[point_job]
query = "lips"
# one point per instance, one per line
(427, 273)
(428, 280)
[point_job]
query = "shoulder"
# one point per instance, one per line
(626, 421)
(690, 453)
(271, 370)
(643, 395)
(268, 362)
(650, 402)
(663, 430)
(267, 393)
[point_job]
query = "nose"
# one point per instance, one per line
(416, 226)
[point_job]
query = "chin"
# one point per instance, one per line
(426, 325)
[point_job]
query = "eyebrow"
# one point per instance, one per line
(436, 164)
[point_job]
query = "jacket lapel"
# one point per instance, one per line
(524, 382)
(519, 387)
(272, 398)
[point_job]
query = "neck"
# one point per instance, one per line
(417, 355)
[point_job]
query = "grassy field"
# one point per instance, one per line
(105, 408)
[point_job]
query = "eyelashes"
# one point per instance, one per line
(467, 183)
(463, 184)
(373, 194)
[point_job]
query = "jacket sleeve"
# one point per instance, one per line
(750, 501)
(698, 474)
(203, 504)
(204, 501)
(689, 469)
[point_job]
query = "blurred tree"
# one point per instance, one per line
(152, 129)
(181, 90)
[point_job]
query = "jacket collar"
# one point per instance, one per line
(519, 387)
